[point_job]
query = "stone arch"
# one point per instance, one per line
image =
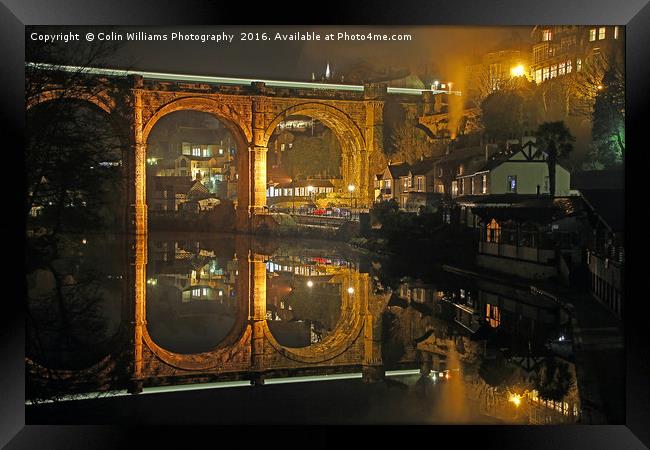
(345, 334)
(347, 131)
(236, 124)
(101, 100)
(232, 343)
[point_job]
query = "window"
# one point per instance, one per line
(538, 76)
(493, 231)
(545, 73)
(282, 147)
(561, 68)
(471, 185)
(554, 71)
(196, 151)
(601, 33)
(568, 66)
(592, 35)
(484, 184)
(387, 184)
(406, 183)
(460, 169)
(493, 315)
(420, 183)
(616, 32)
(547, 35)
(512, 183)
(578, 64)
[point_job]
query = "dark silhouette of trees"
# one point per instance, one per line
(554, 139)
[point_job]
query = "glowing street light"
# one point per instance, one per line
(449, 84)
(350, 290)
(517, 71)
(310, 283)
(435, 84)
(351, 190)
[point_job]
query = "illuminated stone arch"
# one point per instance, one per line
(215, 358)
(342, 124)
(235, 123)
(346, 332)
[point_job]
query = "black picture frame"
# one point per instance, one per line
(16, 14)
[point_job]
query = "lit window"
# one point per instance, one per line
(545, 73)
(616, 32)
(601, 33)
(493, 231)
(578, 64)
(554, 71)
(592, 35)
(484, 184)
(512, 183)
(561, 70)
(547, 35)
(568, 66)
(282, 147)
(196, 151)
(538, 76)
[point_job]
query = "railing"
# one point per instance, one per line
(533, 254)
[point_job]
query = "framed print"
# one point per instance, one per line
(413, 214)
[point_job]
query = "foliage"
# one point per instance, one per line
(392, 348)
(496, 372)
(554, 139)
(554, 379)
(608, 131)
(509, 111)
(314, 155)
(75, 155)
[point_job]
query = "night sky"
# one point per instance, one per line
(442, 49)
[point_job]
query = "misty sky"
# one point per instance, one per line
(440, 48)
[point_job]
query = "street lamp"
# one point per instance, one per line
(351, 189)
(435, 84)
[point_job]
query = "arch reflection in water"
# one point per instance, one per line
(304, 298)
(191, 295)
(204, 306)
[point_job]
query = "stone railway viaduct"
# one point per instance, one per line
(251, 110)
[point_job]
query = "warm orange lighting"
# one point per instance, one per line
(518, 71)
(600, 87)
(516, 399)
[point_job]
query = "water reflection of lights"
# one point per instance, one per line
(515, 398)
